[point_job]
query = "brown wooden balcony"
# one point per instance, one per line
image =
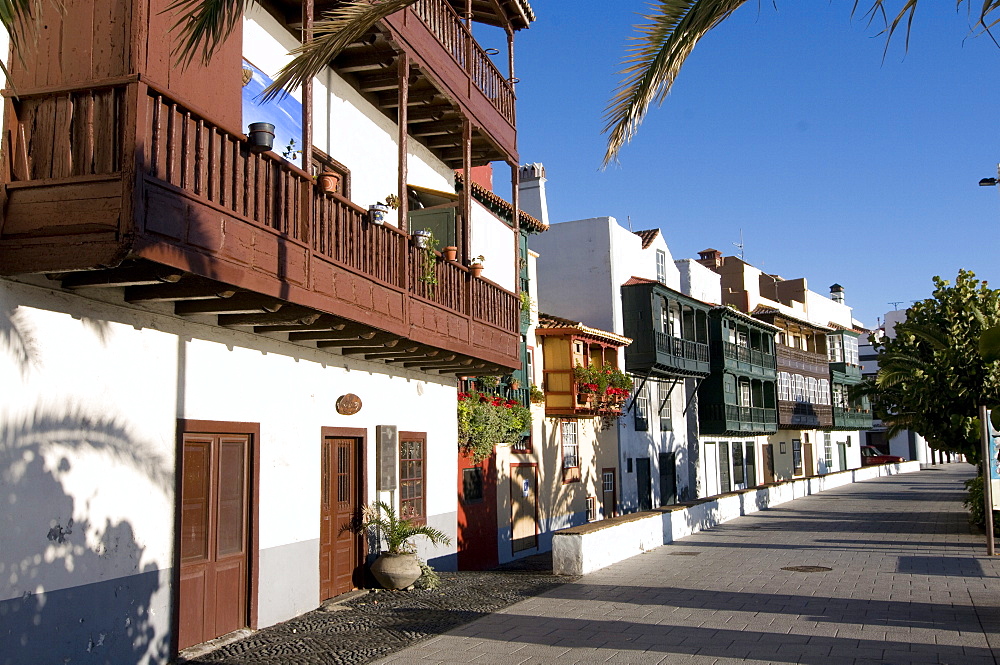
(452, 79)
(798, 361)
(804, 415)
(144, 192)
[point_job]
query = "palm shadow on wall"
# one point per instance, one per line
(74, 590)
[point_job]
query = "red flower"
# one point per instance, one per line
(511, 403)
(483, 398)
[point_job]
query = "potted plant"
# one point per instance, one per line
(486, 421)
(426, 242)
(329, 182)
(397, 566)
(261, 136)
(422, 238)
(536, 394)
(378, 211)
(476, 265)
(450, 253)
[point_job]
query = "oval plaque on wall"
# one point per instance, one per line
(349, 404)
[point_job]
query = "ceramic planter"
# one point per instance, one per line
(261, 137)
(377, 213)
(396, 571)
(422, 238)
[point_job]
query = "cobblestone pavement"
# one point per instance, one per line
(885, 571)
(373, 625)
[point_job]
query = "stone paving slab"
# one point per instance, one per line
(908, 583)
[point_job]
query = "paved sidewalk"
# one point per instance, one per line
(894, 576)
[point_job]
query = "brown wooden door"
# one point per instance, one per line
(340, 544)
(609, 492)
(215, 511)
(807, 452)
(768, 454)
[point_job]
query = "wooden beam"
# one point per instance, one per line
(435, 127)
(371, 346)
(188, 289)
(443, 360)
(364, 62)
(383, 81)
(324, 322)
(241, 303)
(392, 99)
(143, 274)
(346, 333)
(372, 343)
(444, 141)
(290, 315)
(428, 112)
(401, 353)
(465, 369)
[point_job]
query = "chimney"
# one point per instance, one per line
(482, 176)
(710, 258)
(837, 293)
(532, 190)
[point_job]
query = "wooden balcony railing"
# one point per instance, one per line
(802, 362)
(681, 348)
(747, 355)
(441, 19)
(204, 172)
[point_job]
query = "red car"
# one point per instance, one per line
(870, 456)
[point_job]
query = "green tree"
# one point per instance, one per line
(932, 377)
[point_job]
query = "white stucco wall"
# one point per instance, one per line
(491, 238)
(346, 126)
(92, 390)
(699, 282)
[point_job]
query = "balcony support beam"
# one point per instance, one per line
(690, 401)
(243, 302)
(193, 289)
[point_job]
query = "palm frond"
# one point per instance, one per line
(338, 29)
(662, 45)
(203, 25)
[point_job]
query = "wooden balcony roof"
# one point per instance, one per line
(549, 324)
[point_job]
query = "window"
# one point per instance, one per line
(745, 393)
(784, 386)
(529, 366)
(522, 445)
(824, 392)
(472, 485)
(661, 266)
(851, 350)
(799, 390)
(412, 476)
(591, 508)
(835, 347)
(663, 393)
(796, 457)
(828, 451)
(737, 463)
(642, 410)
(608, 481)
(570, 451)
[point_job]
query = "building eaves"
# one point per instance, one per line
(501, 207)
(648, 236)
(766, 310)
(549, 324)
(743, 316)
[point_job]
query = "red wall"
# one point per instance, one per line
(477, 522)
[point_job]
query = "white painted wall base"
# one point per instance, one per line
(584, 549)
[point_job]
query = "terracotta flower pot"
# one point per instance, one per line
(329, 182)
(477, 269)
(396, 571)
(450, 253)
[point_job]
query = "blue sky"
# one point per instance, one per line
(785, 123)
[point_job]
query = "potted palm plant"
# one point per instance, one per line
(397, 566)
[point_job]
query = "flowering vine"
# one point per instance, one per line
(486, 421)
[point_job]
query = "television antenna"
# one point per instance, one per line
(739, 245)
(896, 303)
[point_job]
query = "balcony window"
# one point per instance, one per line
(785, 386)
(835, 347)
(851, 350)
(824, 392)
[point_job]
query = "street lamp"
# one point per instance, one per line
(991, 182)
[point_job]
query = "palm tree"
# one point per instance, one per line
(670, 33)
